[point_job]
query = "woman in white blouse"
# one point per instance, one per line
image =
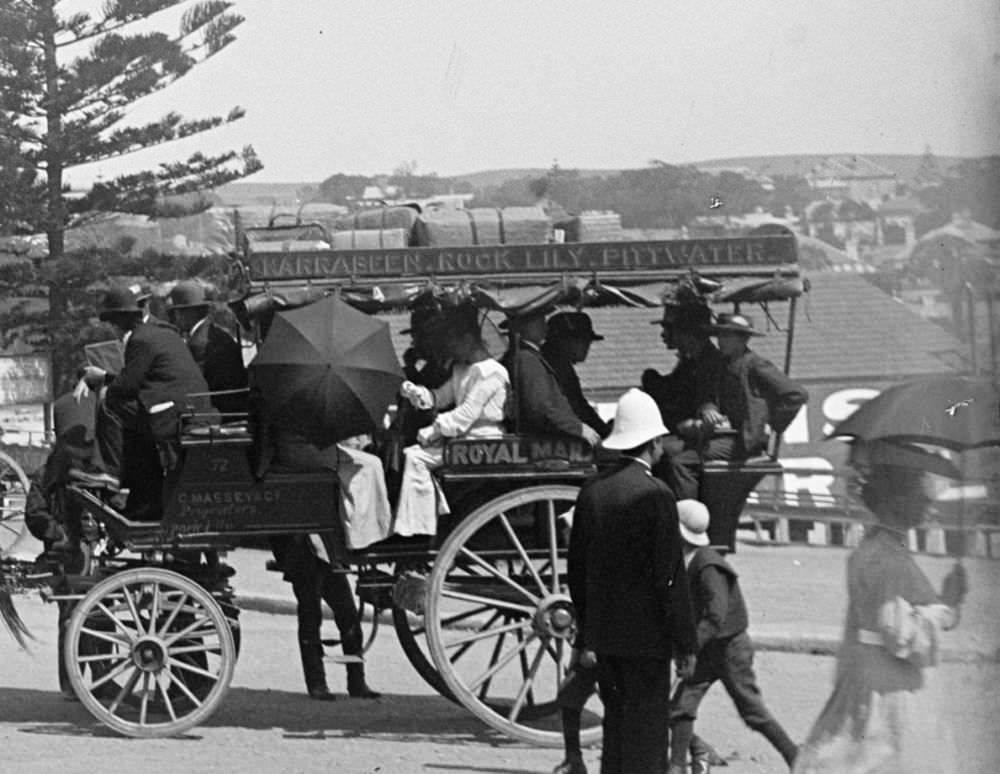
(475, 396)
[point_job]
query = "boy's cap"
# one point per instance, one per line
(693, 517)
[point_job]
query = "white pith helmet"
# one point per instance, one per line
(637, 420)
(693, 520)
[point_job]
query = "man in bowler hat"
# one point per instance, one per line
(568, 338)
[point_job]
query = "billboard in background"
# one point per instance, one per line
(25, 379)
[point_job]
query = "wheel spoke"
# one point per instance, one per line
(173, 615)
(454, 619)
(126, 690)
(166, 697)
(154, 609)
(466, 597)
(99, 635)
(201, 648)
(499, 575)
(191, 630)
(187, 691)
(454, 657)
(483, 634)
(133, 610)
(529, 680)
(144, 704)
(174, 662)
(115, 671)
(553, 543)
(501, 663)
(116, 620)
(519, 547)
(100, 657)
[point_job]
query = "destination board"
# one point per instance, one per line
(273, 263)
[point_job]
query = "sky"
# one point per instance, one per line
(456, 87)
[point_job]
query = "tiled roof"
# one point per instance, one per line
(846, 329)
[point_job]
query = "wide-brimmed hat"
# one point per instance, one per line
(688, 317)
(637, 421)
(571, 325)
(187, 294)
(733, 323)
(118, 299)
(693, 521)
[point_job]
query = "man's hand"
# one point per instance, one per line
(80, 391)
(711, 415)
(586, 659)
(93, 376)
(684, 665)
(591, 436)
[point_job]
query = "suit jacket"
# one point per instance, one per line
(626, 570)
(569, 383)
(158, 368)
(541, 405)
(753, 392)
(680, 393)
(220, 359)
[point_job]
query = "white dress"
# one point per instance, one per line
(478, 393)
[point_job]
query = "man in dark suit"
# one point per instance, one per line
(218, 355)
(629, 587)
(567, 342)
(540, 405)
(142, 404)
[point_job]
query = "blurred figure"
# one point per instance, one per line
(567, 343)
(879, 718)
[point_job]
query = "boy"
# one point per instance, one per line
(725, 651)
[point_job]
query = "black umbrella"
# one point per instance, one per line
(327, 371)
(954, 412)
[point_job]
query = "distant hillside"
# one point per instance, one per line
(236, 194)
(904, 165)
(495, 177)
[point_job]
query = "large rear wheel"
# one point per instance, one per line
(499, 619)
(149, 653)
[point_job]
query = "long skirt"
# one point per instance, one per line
(421, 499)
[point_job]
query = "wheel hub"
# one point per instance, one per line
(555, 617)
(149, 654)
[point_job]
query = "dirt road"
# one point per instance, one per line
(266, 724)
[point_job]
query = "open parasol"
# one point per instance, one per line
(327, 371)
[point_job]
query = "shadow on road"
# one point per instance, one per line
(394, 717)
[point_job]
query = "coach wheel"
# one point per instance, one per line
(499, 619)
(13, 496)
(149, 653)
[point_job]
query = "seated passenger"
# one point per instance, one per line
(477, 392)
(753, 397)
(567, 342)
(218, 355)
(540, 405)
(142, 404)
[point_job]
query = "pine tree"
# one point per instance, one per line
(67, 82)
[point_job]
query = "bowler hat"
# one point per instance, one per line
(572, 325)
(733, 323)
(187, 294)
(118, 299)
(142, 293)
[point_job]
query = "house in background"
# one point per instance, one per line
(853, 177)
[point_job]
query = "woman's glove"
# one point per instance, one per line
(420, 397)
(956, 586)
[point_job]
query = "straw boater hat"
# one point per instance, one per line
(637, 421)
(572, 325)
(118, 299)
(693, 521)
(733, 323)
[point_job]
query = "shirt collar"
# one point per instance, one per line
(126, 337)
(196, 326)
(642, 462)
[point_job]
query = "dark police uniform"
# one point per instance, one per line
(627, 581)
